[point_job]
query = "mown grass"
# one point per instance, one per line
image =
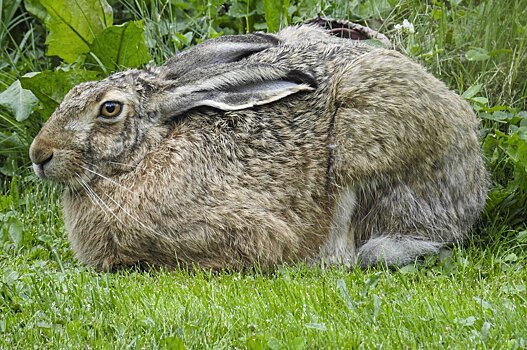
(474, 298)
(474, 307)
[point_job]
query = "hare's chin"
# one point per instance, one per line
(74, 182)
(69, 179)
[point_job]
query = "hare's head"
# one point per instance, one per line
(105, 127)
(94, 129)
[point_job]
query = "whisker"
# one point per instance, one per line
(123, 164)
(96, 199)
(107, 178)
(89, 194)
(112, 162)
(104, 203)
(131, 216)
(74, 191)
(80, 181)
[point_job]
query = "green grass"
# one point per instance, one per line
(474, 298)
(476, 306)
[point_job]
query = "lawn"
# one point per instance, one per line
(472, 297)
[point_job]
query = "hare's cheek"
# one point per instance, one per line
(107, 142)
(106, 148)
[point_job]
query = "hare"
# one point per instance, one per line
(265, 149)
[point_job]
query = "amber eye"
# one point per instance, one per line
(110, 109)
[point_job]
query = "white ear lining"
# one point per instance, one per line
(257, 95)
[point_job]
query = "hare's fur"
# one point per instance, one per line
(298, 146)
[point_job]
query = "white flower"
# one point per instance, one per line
(406, 26)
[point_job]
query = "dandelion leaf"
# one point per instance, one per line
(121, 46)
(73, 25)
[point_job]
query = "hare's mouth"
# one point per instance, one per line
(64, 167)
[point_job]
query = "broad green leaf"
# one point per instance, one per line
(273, 11)
(471, 91)
(15, 232)
(343, 289)
(501, 115)
(498, 116)
(10, 277)
(121, 46)
(317, 326)
(18, 100)
(274, 344)
(480, 99)
(256, 342)
(374, 43)
(522, 134)
(477, 54)
(182, 40)
(260, 26)
(408, 270)
(50, 87)
(498, 52)
(73, 25)
(496, 108)
(516, 149)
(36, 9)
(511, 257)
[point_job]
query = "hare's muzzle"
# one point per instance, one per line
(41, 154)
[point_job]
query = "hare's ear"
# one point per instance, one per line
(225, 49)
(232, 87)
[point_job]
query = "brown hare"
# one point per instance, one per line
(264, 149)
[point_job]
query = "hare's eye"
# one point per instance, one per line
(110, 109)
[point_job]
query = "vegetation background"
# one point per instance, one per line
(474, 298)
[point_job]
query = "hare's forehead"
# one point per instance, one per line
(92, 94)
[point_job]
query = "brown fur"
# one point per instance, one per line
(318, 149)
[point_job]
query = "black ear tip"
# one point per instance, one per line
(299, 77)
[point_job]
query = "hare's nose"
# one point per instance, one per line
(40, 152)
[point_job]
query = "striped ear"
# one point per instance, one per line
(225, 49)
(233, 87)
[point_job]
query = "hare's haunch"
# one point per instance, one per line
(263, 149)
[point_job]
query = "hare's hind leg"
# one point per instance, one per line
(395, 223)
(400, 220)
